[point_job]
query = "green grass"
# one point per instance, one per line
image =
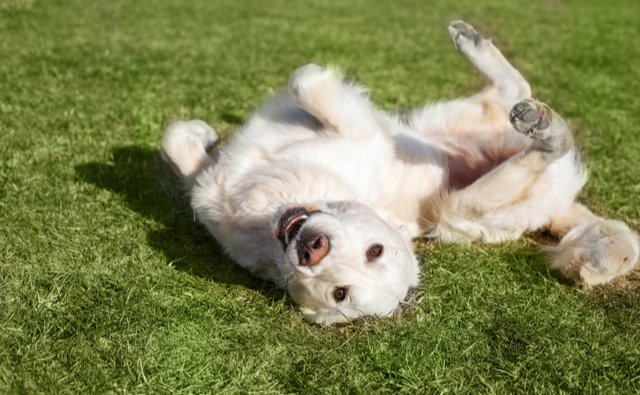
(108, 286)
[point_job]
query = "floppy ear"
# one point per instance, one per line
(416, 275)
(405, 231)
(406, 235)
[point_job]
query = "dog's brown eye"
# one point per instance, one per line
(340, 294)
(375, 251)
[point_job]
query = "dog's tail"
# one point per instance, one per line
(189, 147)
(592, 250)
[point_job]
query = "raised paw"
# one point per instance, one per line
(531, 118)
(547, 129)
(463, 35)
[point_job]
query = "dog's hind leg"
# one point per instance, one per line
(339, 105)
(522, 193)
(504, 82)
(485, 113)
(189, 147)
(593, 250)
(536, 189)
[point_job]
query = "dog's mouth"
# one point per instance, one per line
(291, 222)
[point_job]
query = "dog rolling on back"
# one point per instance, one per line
(322, 193)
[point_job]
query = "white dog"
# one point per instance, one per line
(322, 193)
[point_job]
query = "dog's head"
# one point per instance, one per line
(345, 261)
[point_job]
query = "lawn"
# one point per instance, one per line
(108, 286)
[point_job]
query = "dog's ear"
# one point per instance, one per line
(406, 234)
(403, 228)
(405, 231)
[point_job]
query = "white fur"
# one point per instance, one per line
(459, 171)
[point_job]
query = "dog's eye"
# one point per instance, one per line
(340, 293)
(375, 251)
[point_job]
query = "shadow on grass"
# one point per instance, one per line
(146, 184)
(620, 299)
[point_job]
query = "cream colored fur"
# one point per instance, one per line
(489, 168)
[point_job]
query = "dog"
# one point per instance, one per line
(322, 193)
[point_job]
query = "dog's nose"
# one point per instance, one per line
(312, 249)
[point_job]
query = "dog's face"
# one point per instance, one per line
(345, 261)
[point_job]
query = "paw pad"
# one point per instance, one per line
(529, 117)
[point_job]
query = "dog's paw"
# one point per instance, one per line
(189, 147)
(531, 117)
(305, 80)
(593, 254)
(464, 35)
(548, 131)
(195, 129)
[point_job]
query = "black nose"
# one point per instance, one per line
(312, 249)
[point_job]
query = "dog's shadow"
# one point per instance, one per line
(147, 185)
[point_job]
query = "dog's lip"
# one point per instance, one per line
(288, 221)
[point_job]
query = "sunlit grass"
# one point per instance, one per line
(107, 285)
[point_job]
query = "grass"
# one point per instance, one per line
(108, 286)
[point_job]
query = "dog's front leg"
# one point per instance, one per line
(341, 106)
